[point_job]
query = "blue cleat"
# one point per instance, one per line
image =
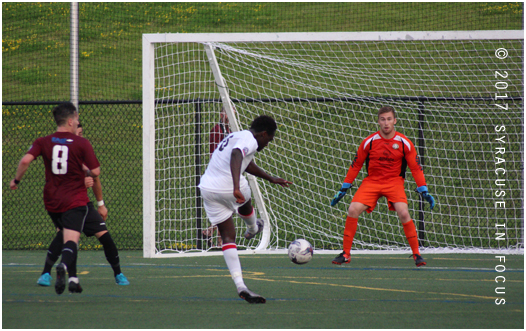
(120, 279)
(45, 280)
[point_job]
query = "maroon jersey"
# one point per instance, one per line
(217, 134)
(63, 154)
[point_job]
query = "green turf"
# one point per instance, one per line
(374, 291)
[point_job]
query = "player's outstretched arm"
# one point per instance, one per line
(341, 193)
(280, 181)
(253, 169)
(21, 170)
(428, 197)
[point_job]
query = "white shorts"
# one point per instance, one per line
(220, 206)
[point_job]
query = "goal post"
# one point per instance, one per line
(454, 92)
(227, 106)
(148, 147)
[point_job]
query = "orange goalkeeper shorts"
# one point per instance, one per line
(371, 190)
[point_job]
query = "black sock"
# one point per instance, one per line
(69, 257)
(53, 252)
(72, 271)
(110, 250)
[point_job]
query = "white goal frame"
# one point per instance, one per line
(148, 94)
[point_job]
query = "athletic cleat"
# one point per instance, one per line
(74, 287)
(45, 280)
(260, 225)
(60, 284)
(419, 261)
(251, 297)
(120, 279)
(342, 258)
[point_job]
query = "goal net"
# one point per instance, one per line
(458, 97)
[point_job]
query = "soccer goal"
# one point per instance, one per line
(458, 96)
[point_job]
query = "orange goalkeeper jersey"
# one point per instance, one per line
(386, 159)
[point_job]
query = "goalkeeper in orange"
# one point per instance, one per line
(386, 154)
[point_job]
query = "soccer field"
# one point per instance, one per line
(373, 291)
(325, 97)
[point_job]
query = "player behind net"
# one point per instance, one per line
(387, 154)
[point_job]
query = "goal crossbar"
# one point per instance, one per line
(332, 36)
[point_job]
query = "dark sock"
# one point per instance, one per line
(111, 252)
(72, 271)
(69, 257)
(53, 252)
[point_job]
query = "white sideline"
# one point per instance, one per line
(423, 250)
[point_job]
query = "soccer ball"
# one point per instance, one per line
(300, 251)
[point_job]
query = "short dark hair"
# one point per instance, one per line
(63, 112)
(264, 123)
(386, 109)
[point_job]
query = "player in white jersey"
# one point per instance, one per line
(225, 190)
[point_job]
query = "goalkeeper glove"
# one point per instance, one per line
(429, 198)
(341, 193)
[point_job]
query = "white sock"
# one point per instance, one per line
(233, 264)
(74, 280)
(250, 221)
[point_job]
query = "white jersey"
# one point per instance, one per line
(218, 177)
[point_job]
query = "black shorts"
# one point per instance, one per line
(81, 219)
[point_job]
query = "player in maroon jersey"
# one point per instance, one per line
(217, 134)
(219, 131)
(94, 225)
(387, 154)
(65, 195)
